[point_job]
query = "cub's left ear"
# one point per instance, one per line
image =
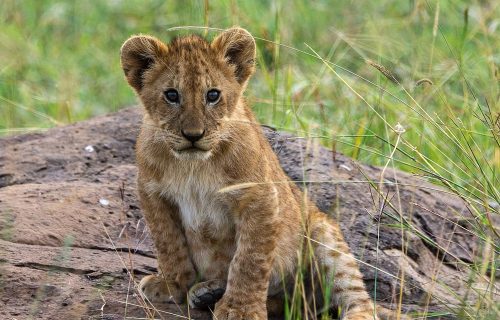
(237, 47)
(138, 54)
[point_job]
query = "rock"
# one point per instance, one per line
(74, 243)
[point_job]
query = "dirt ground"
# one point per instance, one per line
(73, 244)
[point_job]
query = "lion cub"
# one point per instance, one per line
(228, 225)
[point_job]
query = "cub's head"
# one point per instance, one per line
(190, 87)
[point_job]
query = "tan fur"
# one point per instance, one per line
(225, 211)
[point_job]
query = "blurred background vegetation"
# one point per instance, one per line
(431, 66)
(411, 84)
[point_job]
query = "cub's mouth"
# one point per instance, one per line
(192, 153)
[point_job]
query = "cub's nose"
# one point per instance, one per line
(193, 135)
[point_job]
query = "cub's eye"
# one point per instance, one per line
(172, 96)
(213, 96)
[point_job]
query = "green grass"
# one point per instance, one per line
(318, 76)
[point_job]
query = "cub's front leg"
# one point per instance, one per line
(175, 269)
(250, 268)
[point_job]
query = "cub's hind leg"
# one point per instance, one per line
(341, 269)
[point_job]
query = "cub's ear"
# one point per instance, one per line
(237, 47)
(137, 55)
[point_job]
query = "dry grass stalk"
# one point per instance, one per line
(386, 72)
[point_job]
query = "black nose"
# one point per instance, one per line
(193, 136)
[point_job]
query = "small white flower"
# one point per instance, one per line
(89, 148)
(104, 202)
(399, 129)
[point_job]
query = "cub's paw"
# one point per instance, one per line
(155, 289)
(205, 294)
(228, 311)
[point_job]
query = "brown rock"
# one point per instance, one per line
(73, 241)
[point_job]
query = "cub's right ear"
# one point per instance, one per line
(138, 54)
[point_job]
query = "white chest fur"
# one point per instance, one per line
(196, 194)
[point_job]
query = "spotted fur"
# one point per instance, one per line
(224, 212)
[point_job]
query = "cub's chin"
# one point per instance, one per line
(192, 154)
